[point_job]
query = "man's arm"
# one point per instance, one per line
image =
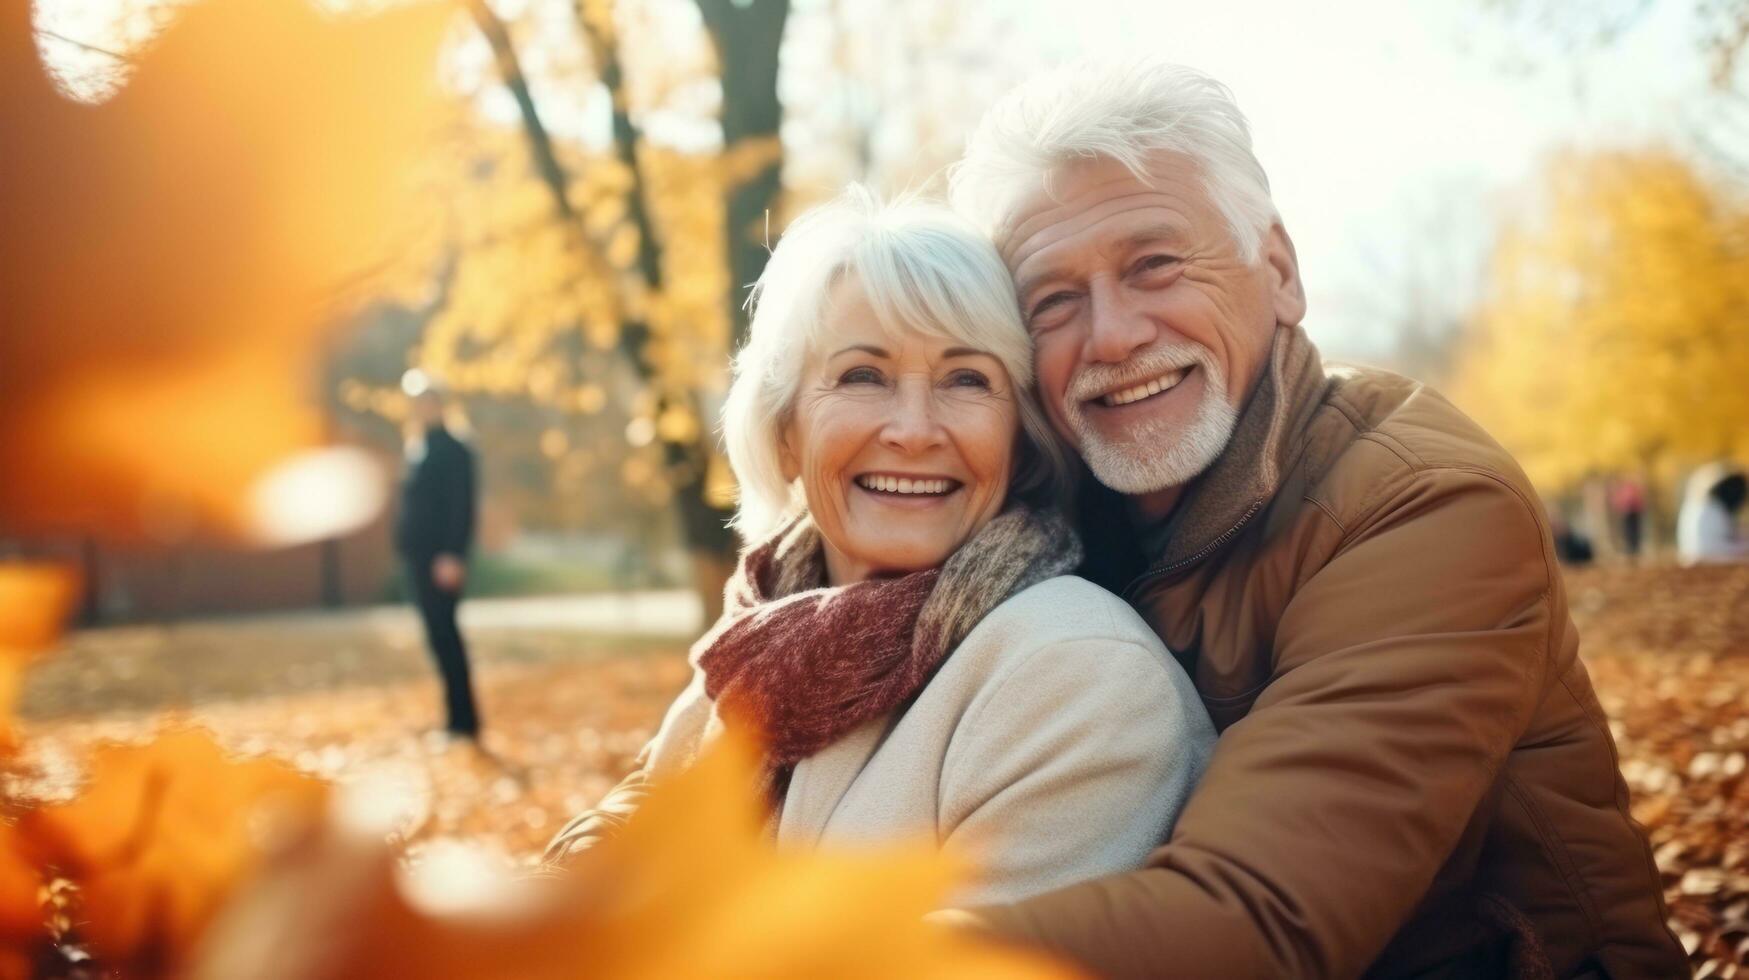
(1406, 669)
(460, 502)
(454, 514)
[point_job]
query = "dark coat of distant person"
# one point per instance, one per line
(437, 500)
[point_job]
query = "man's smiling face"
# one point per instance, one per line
(1150, 327)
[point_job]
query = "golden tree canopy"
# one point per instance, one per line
(1613, 333)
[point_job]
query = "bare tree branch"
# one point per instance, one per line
(83, 45)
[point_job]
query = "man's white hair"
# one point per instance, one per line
(925, 270)
(1128, 112)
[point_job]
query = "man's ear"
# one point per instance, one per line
(1286, 289)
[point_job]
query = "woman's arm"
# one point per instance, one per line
(593, 826)
(675, 745)
(1071, 763)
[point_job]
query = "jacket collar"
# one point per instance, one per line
(1266, 440)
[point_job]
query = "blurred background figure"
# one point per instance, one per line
(1707, 527)
(434, 535)
(1572, 546)
(1627, 501)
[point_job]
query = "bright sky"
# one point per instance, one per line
(1394, 127)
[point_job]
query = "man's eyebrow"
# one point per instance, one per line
(1163, 233)
(1155, 234)
(1024, 287)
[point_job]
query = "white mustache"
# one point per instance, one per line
(1096, 380)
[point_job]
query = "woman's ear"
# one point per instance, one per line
(789, 462)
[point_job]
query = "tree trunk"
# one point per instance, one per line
(748, 36)
(704, 528)
(1652, 533)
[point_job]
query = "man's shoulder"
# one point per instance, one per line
(1379, 435)
(445, 443)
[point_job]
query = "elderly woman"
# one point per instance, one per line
(904, 630)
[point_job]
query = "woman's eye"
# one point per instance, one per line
(860, 376)
(968, 379)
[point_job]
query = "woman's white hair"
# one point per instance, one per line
(924, 269)
(1128, 112)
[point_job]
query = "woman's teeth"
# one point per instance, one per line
(899, 484)
(1141, 391)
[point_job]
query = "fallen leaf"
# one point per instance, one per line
(158, 840)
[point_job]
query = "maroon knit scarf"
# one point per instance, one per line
(806, 664)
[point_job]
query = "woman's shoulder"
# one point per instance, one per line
(1066, 609)
(1063, 625)
(1071, 651)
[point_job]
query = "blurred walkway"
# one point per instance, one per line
(674, 613)
(671, 613)
(159, 666)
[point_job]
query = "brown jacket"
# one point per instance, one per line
(1414, 777)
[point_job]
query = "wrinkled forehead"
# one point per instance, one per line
(1103, 194)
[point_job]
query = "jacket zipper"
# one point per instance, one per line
(1129, 592)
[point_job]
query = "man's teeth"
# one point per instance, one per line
(899, 484)
(1143, 390)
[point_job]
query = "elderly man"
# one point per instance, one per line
(1414, 777)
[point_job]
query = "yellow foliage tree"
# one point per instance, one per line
(608, 278)
(580, 278)
(1614, 333)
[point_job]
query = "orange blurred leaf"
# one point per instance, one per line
(167, 254)
(34, 601)
(23, 929)
(690, 888)
(160, 837)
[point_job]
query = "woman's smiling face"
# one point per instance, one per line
(904, 443)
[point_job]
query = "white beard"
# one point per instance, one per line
(1153, 455)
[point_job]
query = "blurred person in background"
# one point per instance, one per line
(1627, 500)
(434, 535)
(1572, 547)
(1414, 777)
(1707, 527)
(903, 631)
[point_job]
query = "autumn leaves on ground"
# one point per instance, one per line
(1668, 651)
(1667, 648)
(267, 831)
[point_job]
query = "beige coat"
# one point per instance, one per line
(1056, 743)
